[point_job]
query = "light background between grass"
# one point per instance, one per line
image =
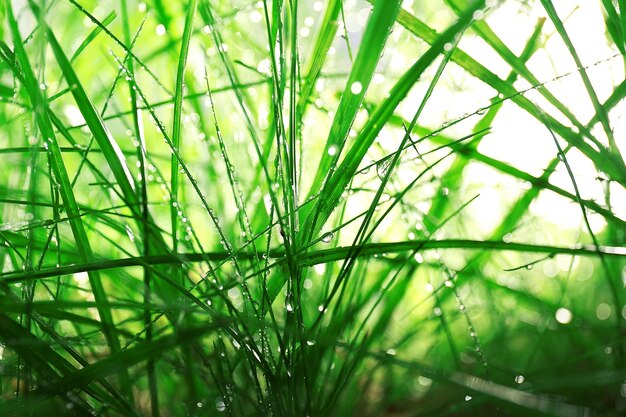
(322, 208)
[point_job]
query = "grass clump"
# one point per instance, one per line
(327, 208)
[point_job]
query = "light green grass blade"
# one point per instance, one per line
(605, 161)
(317, 57)
(92, 35)
(82, 242)
(177, 116)
(551, 11)
(334, 187)
(378, 27)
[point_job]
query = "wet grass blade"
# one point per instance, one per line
(334, 187)
(177, 116)
(60, 172)
(556, 20)
(379, 25)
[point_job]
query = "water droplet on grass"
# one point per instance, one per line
(382, 168)
(563, 315)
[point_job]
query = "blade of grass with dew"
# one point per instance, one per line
(454, 175)
(334, 187)
(119, 42)
(177, 116)
(312, 258)
(518, 65)
(243, 103)
(377, 29)
(552, 13)
(504, 167)
(69, 200)
(145, 230)
(325, 37)
(176, 143)
(602, 159)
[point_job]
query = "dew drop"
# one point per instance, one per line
(327, 237)
(563, 315)
(356, 87)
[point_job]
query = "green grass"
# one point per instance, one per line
(329, 208)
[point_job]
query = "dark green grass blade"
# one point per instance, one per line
(49, 364)
(614, 23)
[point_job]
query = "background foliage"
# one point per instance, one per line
(319, 208)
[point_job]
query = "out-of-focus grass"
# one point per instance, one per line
(321, 208)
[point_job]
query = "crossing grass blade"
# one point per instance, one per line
(556, 20)
(49, 138)
(335, 185)
(380, 24)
